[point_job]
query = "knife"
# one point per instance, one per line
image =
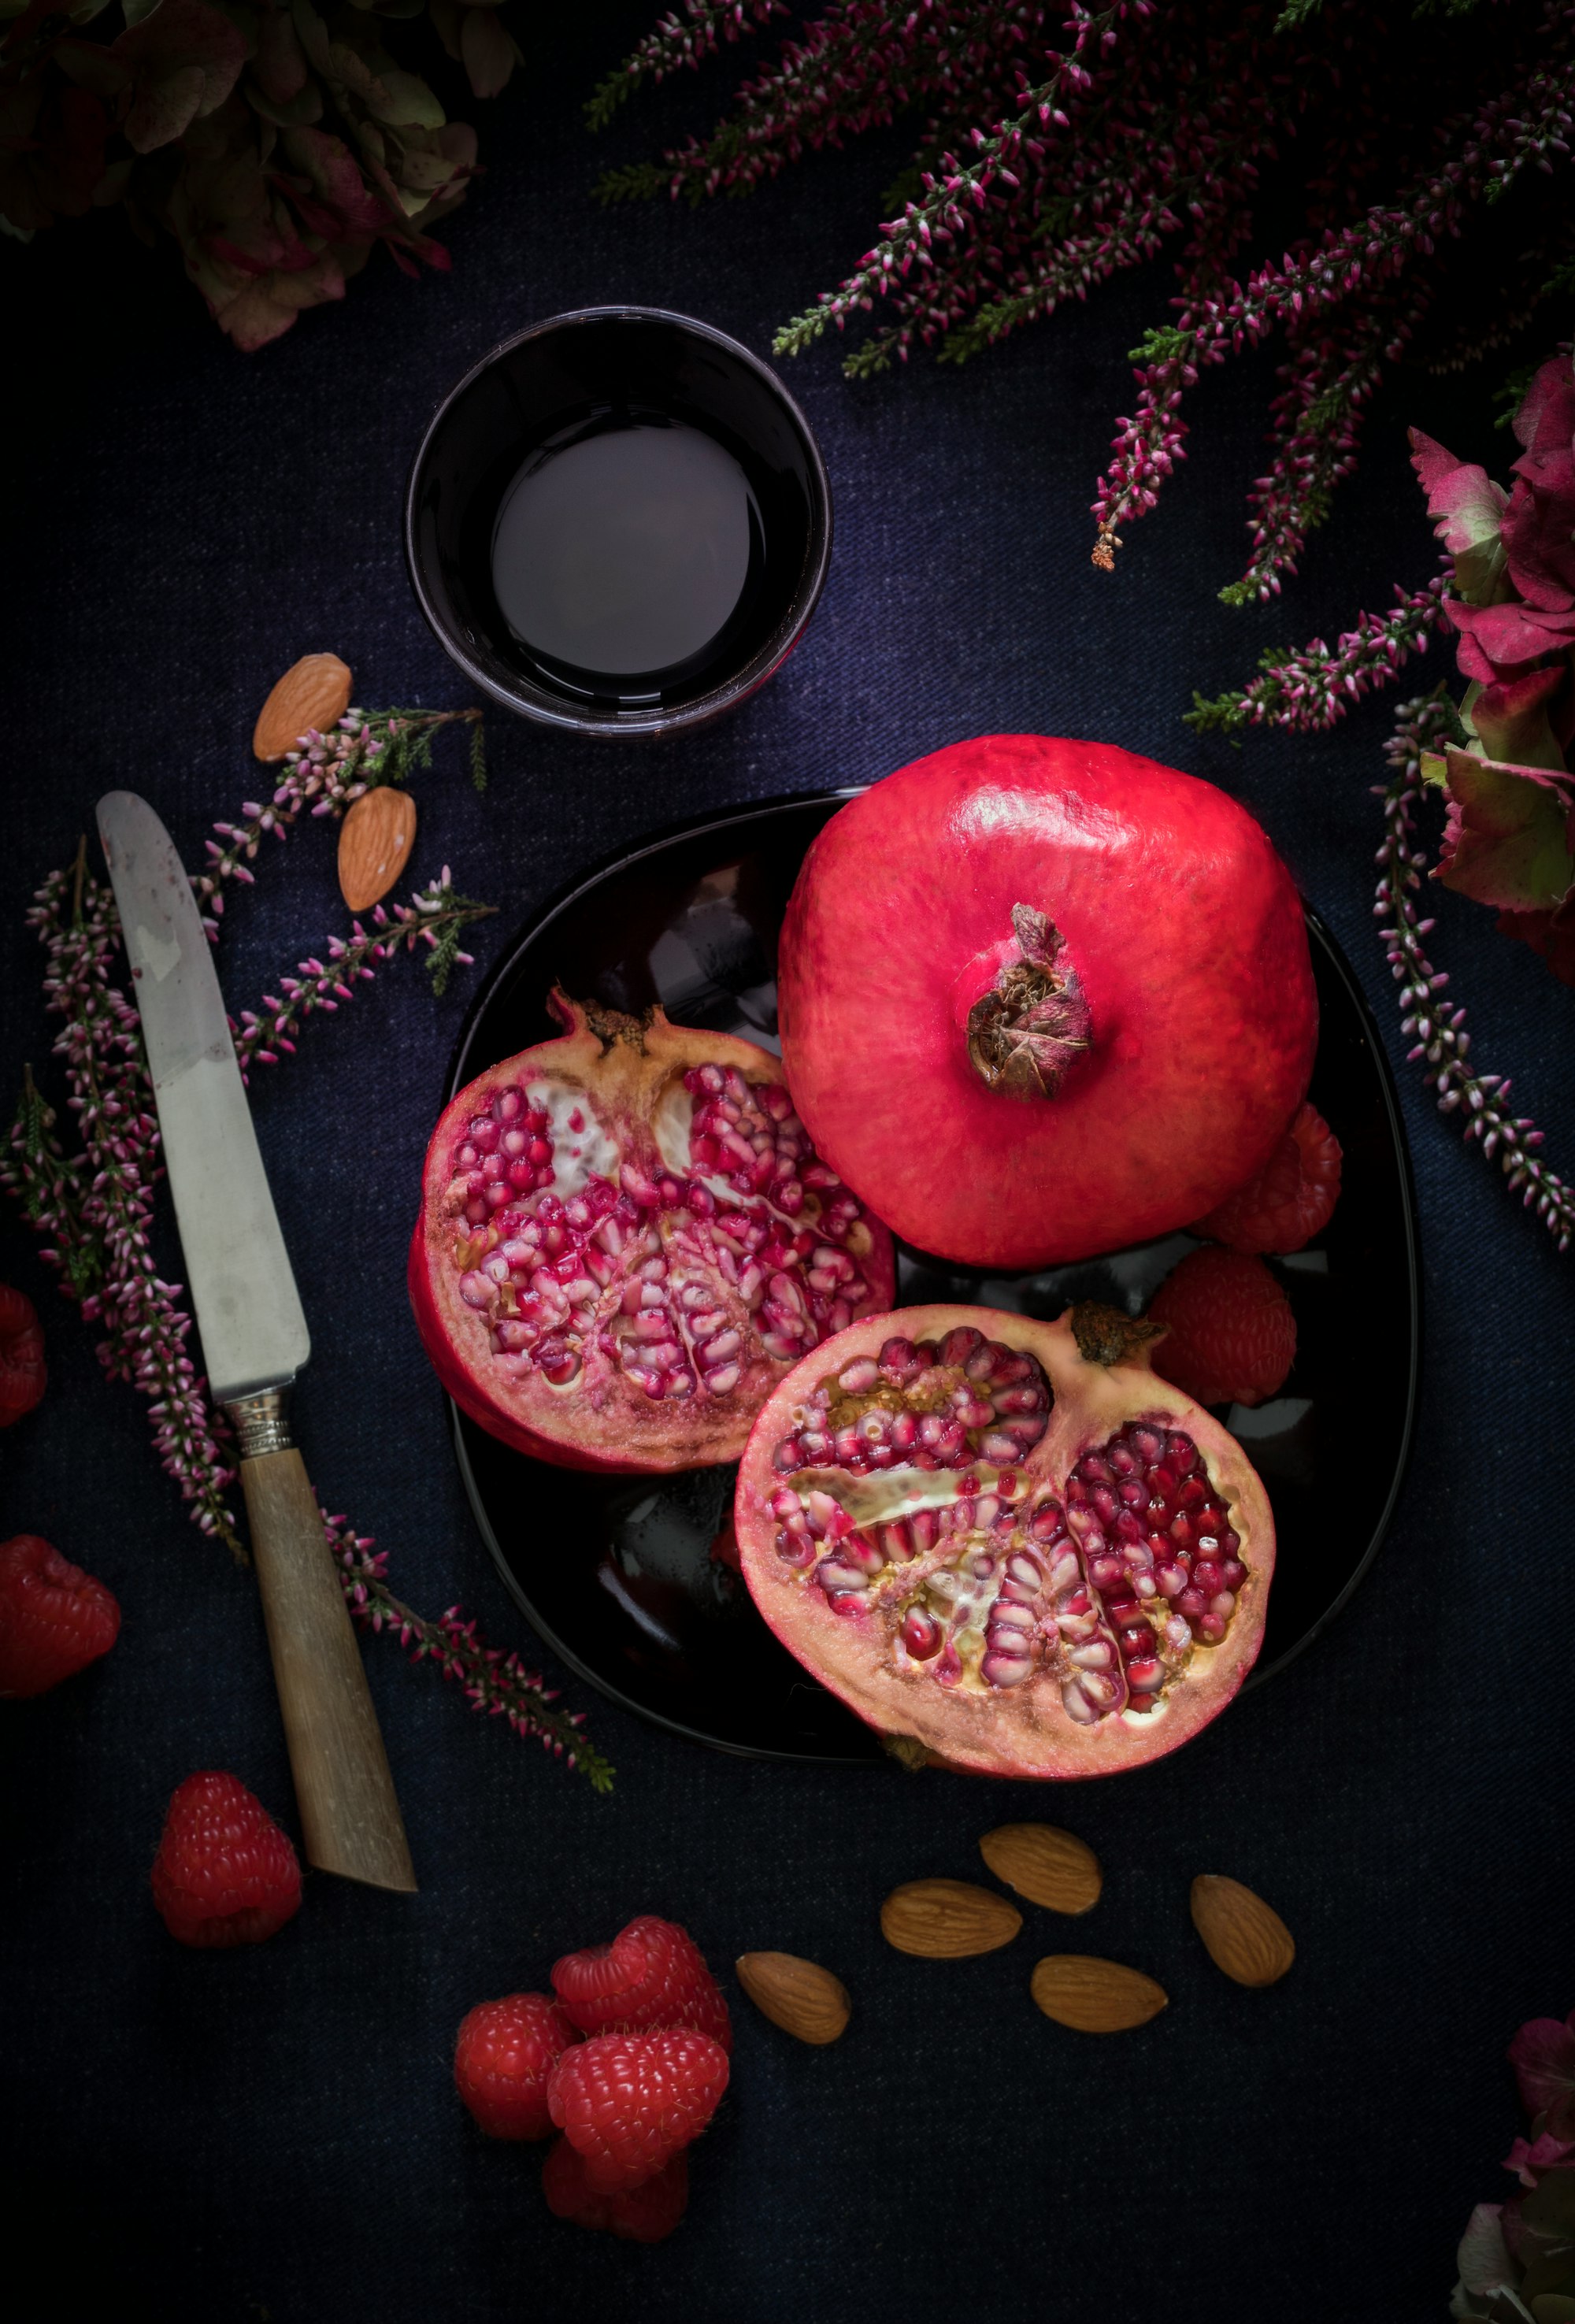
(255, 1341)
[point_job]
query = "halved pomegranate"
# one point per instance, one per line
(1042, 998)
(1007, 1544)
(626, 1240)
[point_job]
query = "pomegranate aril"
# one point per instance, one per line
(1001, 1669)
(1011, 1614)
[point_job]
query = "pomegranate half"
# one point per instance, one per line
(1042, 998)
(626, 1240)
(1007, 1545)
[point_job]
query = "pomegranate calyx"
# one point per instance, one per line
(1028, 1030)
(1107, 1335)
(608, 1025)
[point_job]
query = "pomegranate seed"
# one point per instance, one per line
(921, 1635)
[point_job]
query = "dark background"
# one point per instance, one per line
(273, 2131)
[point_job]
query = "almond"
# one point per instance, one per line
(375, 840)
(1245, 1937)
(947, 1920)
(1045, 1864)
(1096, 1996)
(801, 1997)
(313, 692)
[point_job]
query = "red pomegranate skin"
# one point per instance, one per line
(1182, 925)
(656, 1212)
(1090, 1622)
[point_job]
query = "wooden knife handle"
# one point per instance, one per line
(349, 1813)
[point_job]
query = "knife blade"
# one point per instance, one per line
(249, 1314)
(255, 1341)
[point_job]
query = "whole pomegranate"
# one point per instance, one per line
(1006, 1542)
(1043, 999)
(626, 1239)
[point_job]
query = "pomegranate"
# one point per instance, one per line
(1007, 1545)
(626, 1240)
(1043, 999)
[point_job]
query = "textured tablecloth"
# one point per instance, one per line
(273, 2132)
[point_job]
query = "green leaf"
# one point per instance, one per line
(398, 99)
(133, 11)
(164, 109)
(489, 51)
(298, 112)
(1507, 843)
(314, 35)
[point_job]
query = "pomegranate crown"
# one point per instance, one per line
(1028, 1030)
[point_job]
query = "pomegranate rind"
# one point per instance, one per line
(977, 1731)
(595, 1422)
(1188, 938)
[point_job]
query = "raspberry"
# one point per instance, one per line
(53, 1618)
(630, 2101)
(1292, 1197)
(505, 2051)
(651, 1977)
(225, 1873)
(1232, 1335)
(646, 2214)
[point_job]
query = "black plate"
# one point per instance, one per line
(617, 1573)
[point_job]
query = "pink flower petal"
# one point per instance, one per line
(1546, 418)
(1542, 2054)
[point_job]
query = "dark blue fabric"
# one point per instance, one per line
(272, 2133)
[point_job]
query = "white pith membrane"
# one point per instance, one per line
(903, 1503)
(667, 1255)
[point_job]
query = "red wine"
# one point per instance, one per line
(622, 552)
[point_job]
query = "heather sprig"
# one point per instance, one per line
(100, 1215)
(1439, 1029)
(325, 775)
(48, 1183)
(496, 1683)
(435, 917)
(1313, 688)
(1526, 124)
(1151, 123)
(677, 40)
